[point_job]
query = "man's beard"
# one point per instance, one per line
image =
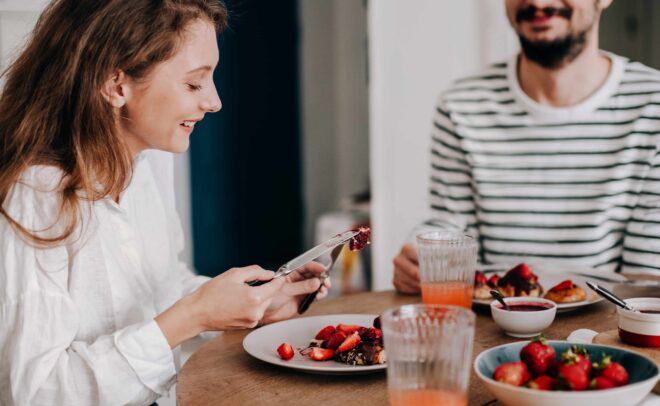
(554, 54)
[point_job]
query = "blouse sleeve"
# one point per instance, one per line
(42, 361)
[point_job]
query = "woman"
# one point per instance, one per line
(93, 299)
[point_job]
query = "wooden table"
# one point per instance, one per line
(222, 373)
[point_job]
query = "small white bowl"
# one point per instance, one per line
(524, 324)
(639, 328)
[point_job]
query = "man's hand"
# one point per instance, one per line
(406, 270)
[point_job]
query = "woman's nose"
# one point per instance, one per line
(212, 103)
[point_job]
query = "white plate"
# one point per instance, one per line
(551, 275)
(262, 343)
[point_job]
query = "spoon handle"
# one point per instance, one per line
(500, 299)
(609, 296)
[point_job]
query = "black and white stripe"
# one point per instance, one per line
(569, 187)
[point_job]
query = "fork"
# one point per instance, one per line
(309, 299)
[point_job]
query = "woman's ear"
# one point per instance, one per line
(115, 88)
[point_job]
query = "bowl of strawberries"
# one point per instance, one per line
(550, 373)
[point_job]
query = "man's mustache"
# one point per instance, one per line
(529, 13)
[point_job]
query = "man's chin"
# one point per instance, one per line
(553, 53)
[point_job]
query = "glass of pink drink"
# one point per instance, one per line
(429, 349)
(447, 262)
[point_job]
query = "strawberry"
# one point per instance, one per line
(350, 342)
(492, 282)
(513, 373)
(325, 333)
(522, 270)
(567, 284)
(612, 371)
(601, 383)
(538, 355)
(371, 334)
(321, 354)
(480, 278)
(347, 328)
(572, 376)
(286, 351)
(577, 355)
(336, 339)
(543, 382)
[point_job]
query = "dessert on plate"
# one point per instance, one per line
(517, 281)
(345, 343)
(566, 292)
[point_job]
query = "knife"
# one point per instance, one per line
(310, 255)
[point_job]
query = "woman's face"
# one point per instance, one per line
(160, 111)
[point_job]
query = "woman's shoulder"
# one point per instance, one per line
(36, 196)
(34, 202)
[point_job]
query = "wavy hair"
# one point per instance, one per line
(52, 111)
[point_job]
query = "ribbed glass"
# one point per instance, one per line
(447, 262)
(429, 352)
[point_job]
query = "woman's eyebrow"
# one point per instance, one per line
(201, 68)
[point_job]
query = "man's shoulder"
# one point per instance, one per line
(490, 83)
(495, 72)
(638, 69)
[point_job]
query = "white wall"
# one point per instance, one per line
(334, 104)
(417, 47)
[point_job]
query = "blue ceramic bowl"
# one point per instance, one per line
(643, 373)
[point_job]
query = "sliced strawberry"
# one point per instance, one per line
(286, 351)
(350, 342)
(513, 373)
(325, 333)
(336, 340)
(600, 382)
(321, 354)
(371, 334)
(480, 278)
(492, 282)
(567, 284)
(347, 328)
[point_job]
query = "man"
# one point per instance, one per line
(552, 156)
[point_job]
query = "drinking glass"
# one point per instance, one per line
(429, 353)
(447, 262)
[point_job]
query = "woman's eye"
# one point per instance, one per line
(194, 87)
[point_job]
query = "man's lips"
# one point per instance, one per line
(541, 15)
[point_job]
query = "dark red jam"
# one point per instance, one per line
(650, 311)
(528, 307)
(640, 340)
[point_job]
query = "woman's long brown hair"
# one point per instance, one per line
(52, 111)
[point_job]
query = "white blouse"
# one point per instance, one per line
(76, 321)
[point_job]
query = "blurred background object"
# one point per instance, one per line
(324, 100)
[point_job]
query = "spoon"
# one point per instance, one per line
(498, 296)
(610, 296)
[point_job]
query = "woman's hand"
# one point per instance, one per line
(225, 302)
(297, 285)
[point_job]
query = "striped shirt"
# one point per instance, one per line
(576, 186)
